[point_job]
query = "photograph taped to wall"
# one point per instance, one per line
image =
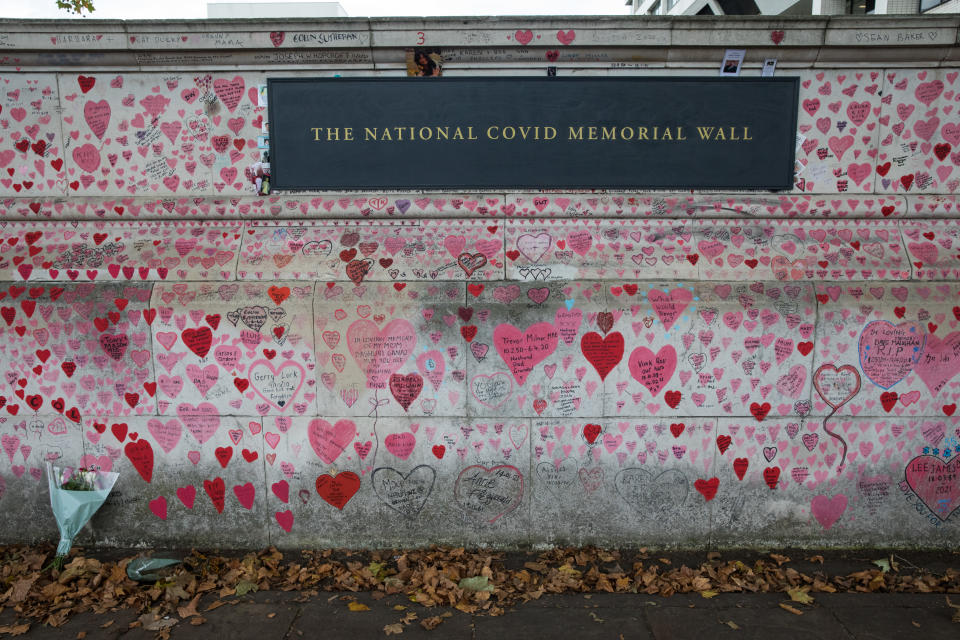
(424, 62)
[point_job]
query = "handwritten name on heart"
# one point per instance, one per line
(379, 353)
(522, 351)
(889, 352)
(653, 370)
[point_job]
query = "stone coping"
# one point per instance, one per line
(671, 41)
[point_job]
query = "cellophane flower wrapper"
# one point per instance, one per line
(73, 509)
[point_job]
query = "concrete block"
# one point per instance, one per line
(27, 443)
(793, 484)
(76, 349)
(792, 250)
(623, 482)
(526, 358)
(931, 246)
(234, 349)
(574, 249)
(183, 482)
(35, 145)
(918, 138)
(886, 350)
(702, 205)
(392, 349)
(388, 482)
(932, 206)
(374, 251)
(696, 31)
(892, 34)
(120, 251)
(837, 129)
(709, 349)
(174, 134)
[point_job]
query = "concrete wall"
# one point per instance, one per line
(734, 369)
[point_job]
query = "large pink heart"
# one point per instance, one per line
(653, 370)
(329, 441)
(166, 434)
(836, 385)
(201, 421)
(940, 361)
(935, 483)
(278, 386)
(523, 351)
(379, 353)
(888, 352)
(669, 305)
(828, 510)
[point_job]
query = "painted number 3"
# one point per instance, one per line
(420, 37)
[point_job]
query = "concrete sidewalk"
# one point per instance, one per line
(279, 616)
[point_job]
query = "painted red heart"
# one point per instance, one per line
(603, 353)
(405, 388)
(771, 475)
(338, 491)
(591, 432)
(707, 488)
(223, 455)
(740, 466)
(140, 454)
(672, 398)
(198, 340)
(723, 443)
(217, 490)
(888, 399)
(759, 411)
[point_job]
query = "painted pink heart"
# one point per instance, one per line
(329, 441)
(522, 351)
(379, 353)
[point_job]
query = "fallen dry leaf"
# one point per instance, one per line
(800, 594)
(733, 625)
(431, 623)
(190, 609)
(793, 610)
(358, 606)
(393, 629)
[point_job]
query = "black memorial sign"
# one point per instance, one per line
(417, 133)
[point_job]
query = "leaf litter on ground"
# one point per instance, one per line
(482, 581)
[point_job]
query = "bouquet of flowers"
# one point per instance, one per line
(75, 495)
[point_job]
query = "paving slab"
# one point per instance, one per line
(573, 622)
(762, 622)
